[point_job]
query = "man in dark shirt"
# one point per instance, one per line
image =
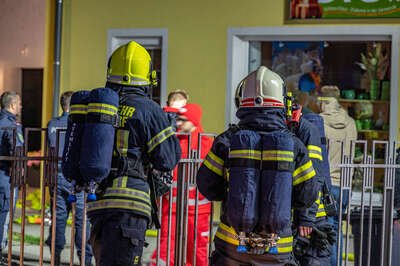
(10, 137)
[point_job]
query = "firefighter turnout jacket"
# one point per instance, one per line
(286, 172)
(144, 137)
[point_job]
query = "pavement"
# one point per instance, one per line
(32, 248)
(32, 251)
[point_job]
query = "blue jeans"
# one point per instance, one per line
(63, 208)
(336, 221)
(4, 207)
(5, 220)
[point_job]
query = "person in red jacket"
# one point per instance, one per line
(189, 122)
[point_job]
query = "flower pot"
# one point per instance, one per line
(348, 94)
(366, 124)
(385, 93)
(374, 89)
(358, 124)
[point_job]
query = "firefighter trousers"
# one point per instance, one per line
(226, 255)
(117, 238)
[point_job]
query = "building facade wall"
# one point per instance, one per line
(197, 42)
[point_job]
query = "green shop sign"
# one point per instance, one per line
(326, 9)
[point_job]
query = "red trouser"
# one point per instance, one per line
(201, 250)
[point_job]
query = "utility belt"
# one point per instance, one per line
(253, 243)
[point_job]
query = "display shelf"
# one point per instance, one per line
(372, 131)
(362, 101)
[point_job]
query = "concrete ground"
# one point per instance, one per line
(32, 251)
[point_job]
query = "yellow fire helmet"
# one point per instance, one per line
(130, 65)
(261, 88)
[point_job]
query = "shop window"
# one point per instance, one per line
(360, 69)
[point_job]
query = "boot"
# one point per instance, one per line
(3, 258)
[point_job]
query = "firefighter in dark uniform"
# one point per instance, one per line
(122, 213)
(10, 136)
(260, 182)
(314, 250)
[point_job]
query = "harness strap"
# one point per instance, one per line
(229, 235)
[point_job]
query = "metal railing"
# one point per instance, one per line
(367, 176)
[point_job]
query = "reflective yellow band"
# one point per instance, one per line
(214, 163)
(122, 140)
(120, 204)
(102, 108)
(78, 109)
(315, 156)
(215, 158)
(229, 235)
(314, 152)
(321, 207)
(116, 182)
(318, 200)
(20, 137)
(302, 168)
(124, 181)
(303, 173)
(320, 213)
(314, 148)
(127, 192)
(277, 155)
(159, 138)
(246, 154)
(133, 80)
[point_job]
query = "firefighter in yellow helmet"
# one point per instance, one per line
(144, 138)
(260, 171)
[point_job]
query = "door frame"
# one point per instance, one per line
(238, 54)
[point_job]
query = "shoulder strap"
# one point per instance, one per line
(234, 128)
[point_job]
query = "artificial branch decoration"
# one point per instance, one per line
(375, 63)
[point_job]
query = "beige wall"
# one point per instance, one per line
(197, 42)
(22, 25)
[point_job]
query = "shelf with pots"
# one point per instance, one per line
(373, 131)
(341, 100)
(371, 119)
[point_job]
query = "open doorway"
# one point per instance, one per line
(32, 80)
(31, 116)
